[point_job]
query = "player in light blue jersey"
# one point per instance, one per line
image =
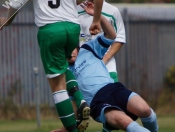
(111, 103)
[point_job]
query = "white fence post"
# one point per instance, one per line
(37, 97)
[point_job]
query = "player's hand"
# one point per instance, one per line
(3, 21)
(88, 7)
(95, 28)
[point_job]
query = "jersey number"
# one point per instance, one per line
(53, 6)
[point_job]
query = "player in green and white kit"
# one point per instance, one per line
(58, 36)
(113, 15)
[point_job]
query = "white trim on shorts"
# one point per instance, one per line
(52, 75)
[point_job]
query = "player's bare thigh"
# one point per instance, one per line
(138, 107)
(57, 83)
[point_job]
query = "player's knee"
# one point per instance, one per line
(145, 111)
(123, 123)
(119, 120)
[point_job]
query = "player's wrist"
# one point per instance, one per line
(96, 20)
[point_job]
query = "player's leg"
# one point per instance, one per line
(120, 120)
(72, 88)
(52, 40)
(112, 109)
(139, 107)
(83, 112)
(63, 103)
(72, 85)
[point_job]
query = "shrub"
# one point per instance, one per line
(170, 78)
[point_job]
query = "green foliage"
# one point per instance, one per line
(170, 78)
(165, 102)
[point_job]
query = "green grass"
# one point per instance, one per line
(166, 124)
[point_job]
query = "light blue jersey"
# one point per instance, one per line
(89, 70)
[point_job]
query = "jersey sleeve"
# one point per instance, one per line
(100, 45)
(16, 4)
(121, 36)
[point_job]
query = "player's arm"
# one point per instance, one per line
(108, 30)
(13, 10)
(120, 38)
(5, 21)
(115, 47)
(97, 10)
(11, 15)
(101, 44)
(95, 26)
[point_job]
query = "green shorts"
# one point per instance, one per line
(56, 42)
(114, 76)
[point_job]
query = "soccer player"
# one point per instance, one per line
(57, 36)
(111, 103)
(113, 15)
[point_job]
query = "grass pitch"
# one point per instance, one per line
(166, 124)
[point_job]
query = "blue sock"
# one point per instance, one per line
(135, 127)
(150, 122)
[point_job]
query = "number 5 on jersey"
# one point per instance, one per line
(54, 3)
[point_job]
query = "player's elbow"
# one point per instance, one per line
(111, 35)
(114, 35)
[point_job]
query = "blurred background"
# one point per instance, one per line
(146, 63)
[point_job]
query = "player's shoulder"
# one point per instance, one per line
(109, 8)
